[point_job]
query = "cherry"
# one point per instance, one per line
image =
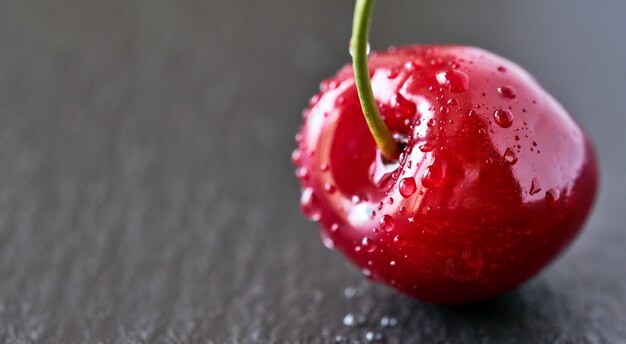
(490, 178)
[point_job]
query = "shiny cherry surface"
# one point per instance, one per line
(495, 178)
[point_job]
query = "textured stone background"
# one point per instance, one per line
(146, 192)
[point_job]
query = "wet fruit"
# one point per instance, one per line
(494, 178)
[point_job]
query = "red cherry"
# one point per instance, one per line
(487, 191)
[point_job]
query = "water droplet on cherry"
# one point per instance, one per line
(552, 196)
(310, 204)
(412, 66)
(535, 187)
(407, 187)
(302, 173)
(454, 80)
(398, 240)
(507, 92)
(403, 106)
(393, 73)
(328, 242)
(387, 223)
(295, 157)
(510, 157)
(503, 118)
(426, 147)
(434, 174)
(314, 100)
(330, 188)
(368, 244)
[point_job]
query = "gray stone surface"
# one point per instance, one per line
(146, 192)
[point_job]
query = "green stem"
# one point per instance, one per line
(358, 49)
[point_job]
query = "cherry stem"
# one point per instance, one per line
(359, 50)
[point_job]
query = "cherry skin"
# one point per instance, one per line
(494, 180)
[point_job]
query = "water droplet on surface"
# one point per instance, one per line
(403, 106)
(412, 66)
(349, 320)
(349, 292)
(503, 118)
(314, 100)
(367, 49)
(324, 167)
(392, 263)
(334, 228)
(552, 197)
(327, 241)
(330, 188)
(398, 240)
(387, 223)
(368, 244)
(510, 157)
(393, 73)
(426, 147)
(381, 171)
(454, 81)
(431, 123)
(333, 84)
(302, 173)
(388, 321)
(434, 174)
(407, 187)
(310, 205)
(535, 187)
(374, 337)
(295, 157)
(507, 92)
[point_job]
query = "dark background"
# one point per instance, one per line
(147, 195)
